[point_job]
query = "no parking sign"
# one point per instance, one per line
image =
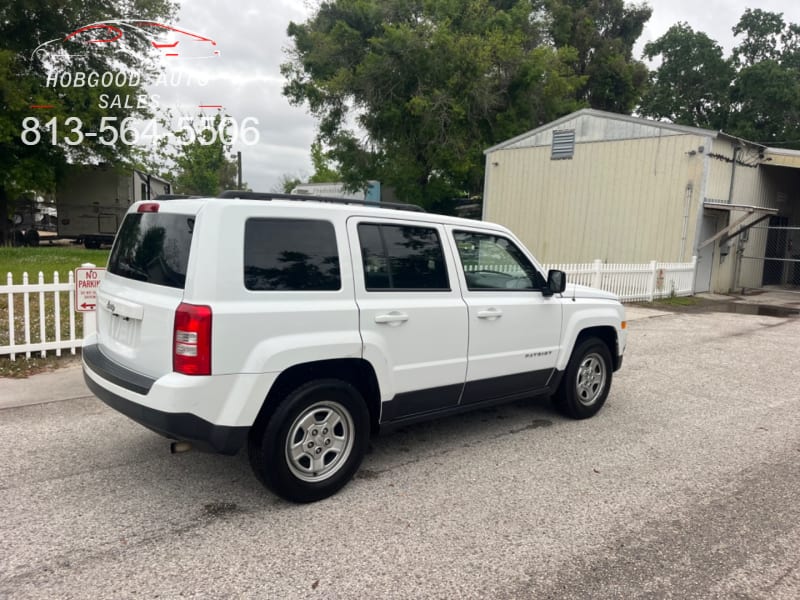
(87, 279)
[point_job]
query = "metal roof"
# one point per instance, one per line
(600, 114)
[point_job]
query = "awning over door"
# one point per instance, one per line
(779, 157)
(753, 216)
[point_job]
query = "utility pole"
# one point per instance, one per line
(239, 169)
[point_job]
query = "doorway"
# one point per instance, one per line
(705, 256)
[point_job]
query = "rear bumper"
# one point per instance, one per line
(108, 381)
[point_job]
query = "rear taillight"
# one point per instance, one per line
(191, 343)
(148, 207)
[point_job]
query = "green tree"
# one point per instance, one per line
(203, 166)
(323, 171)
(23, 77)
(766, 104)
(287, 183)
(766, 92)
(761, 32)
(603, 32)
(692, 83)
(430, 84)
(753, 94)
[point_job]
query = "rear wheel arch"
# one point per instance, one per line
(357, 372)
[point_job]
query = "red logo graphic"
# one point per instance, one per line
(167, 40)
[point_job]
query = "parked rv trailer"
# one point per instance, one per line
(92, 200)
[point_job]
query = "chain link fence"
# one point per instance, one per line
(778, 264)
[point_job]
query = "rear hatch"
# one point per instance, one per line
(143, 287)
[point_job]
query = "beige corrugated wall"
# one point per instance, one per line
(620, 201)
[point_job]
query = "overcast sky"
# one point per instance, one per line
(251, 36)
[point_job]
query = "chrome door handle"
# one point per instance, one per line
(394, 317)
(490, 313)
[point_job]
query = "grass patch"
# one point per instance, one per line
(46, 259)
(25, 367)
(22, 366)
(677, 301)
(36, 325)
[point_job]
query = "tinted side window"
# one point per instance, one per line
(154, 248)
(402, 257)
(290, 254)
(492, 262)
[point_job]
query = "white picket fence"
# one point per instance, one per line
(634, 282)
(631, 282)
(47, 296)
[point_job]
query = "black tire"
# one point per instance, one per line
(91, 244)
(327, 423)
(32, 238)
(587, 380)
(17, 238)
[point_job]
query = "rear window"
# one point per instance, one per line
(153, 247)
(402, 257)
(290, 255)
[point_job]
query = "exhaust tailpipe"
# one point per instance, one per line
(178, 447)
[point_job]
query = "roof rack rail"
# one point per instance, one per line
(175, 197)
(308, 198)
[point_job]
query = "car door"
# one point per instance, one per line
(514, 329)
(413, 320)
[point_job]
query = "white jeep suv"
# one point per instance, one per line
(297, 326)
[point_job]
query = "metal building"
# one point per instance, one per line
(628, 190)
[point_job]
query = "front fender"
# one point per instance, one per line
(582, 315)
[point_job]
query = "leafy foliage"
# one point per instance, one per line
(23, 26)
(430, 83)
(754, 93)
(204, 166)
(323, 171)
(603, 32)
(691, 80)
(286, 183)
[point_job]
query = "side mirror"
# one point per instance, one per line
(556, 282)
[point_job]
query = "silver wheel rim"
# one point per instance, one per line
(591, 379)
(319, 441)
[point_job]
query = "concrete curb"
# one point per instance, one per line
(53, 386)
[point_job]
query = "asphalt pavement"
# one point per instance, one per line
(685, 485)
